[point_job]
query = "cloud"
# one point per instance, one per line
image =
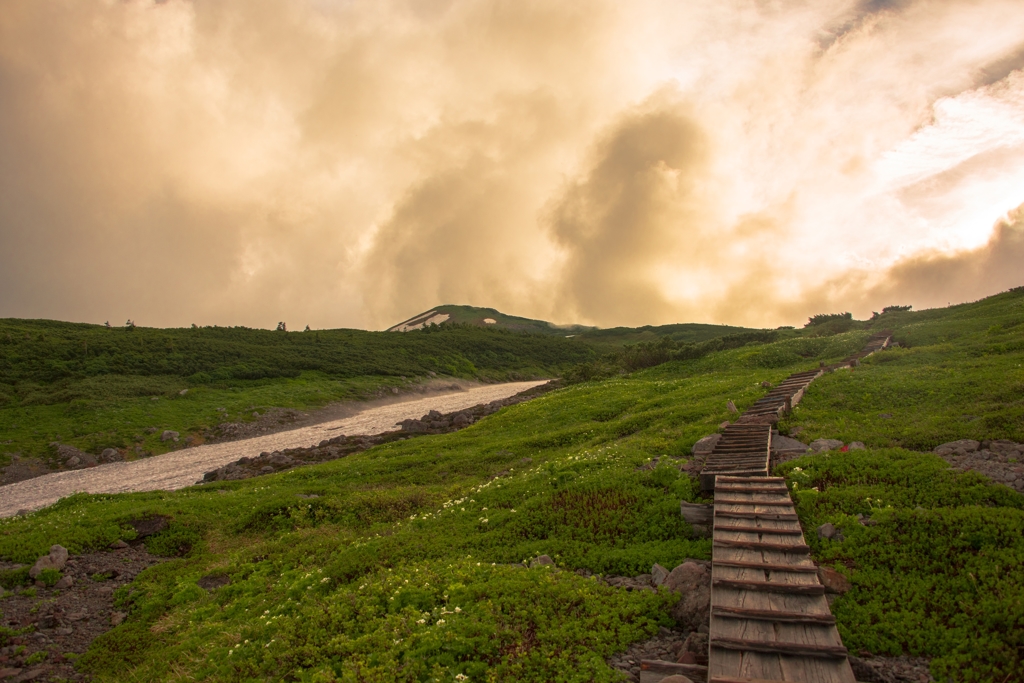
(353, 163)
(636, 208)
(934, 279)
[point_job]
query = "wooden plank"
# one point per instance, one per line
(752, 489)
(757, 545)
(768, 566)
(769, 615)
(776, 647)
(766, 503)
(672, 668)
(770, 587)
(760, 530)
(772, 516)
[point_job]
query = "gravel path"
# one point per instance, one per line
(183, 468)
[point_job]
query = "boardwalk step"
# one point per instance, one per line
(771, 587)
(758, 545)
(767, 503)
(753, 489)
(775, 647)
(760, 530)
(766, 516)
(753, 480)
(767, 615)
(768, 566)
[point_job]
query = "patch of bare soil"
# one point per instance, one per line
(55, 622)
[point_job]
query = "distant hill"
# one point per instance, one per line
(613, 336)
(485, 317)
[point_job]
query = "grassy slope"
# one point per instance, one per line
(94, 387)
(354, 585)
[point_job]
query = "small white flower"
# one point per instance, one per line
(440, 622)
(458, 609)
(421, 621)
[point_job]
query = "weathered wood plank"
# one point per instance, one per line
(773, 616)
(769, 566)
(776, 647)
(770, 586)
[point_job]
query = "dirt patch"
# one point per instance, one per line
(54, 623)
(181, 468)
(340, 446)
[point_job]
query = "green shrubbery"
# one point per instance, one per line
(335, 587)
(941, 574)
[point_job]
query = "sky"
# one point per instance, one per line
(351, 163)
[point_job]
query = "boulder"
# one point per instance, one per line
(961, 447)
(706, 445)
(833, 581)
(785, 443)
(64, 583)
(658, 574)
(149, 526)
(693, 580)
(857, 446)
(73, 461)
(542, 561)
(168, 435)
(57, 558)
(826, 530)
(110, 455)
(822, 445)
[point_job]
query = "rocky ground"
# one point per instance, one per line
(341, 445)
(54, 624)
(999, 459)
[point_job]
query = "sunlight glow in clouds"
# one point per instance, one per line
(352, 163)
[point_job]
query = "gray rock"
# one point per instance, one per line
(110, 455)
(267, 469)
(117, 618)
(785, 443)
(55, 560)
(542, 561)
(961, 447)
(149, 526)
(686, 575)
(168, 435)
(731, 406)
(833, 581)
(857, 446)
(826, 530)
(707, 444)
(118, 545)
(182, 392)
(693, 580)
(73, 461)
(64, 583)
(822, 445)
(658, 574)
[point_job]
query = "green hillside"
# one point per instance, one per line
(95, 387)
(409, 565)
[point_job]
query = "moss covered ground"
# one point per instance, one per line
(409, 563)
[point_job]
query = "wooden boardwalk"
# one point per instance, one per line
(770, 621)
(769, 617)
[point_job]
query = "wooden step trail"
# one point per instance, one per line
(770, 620)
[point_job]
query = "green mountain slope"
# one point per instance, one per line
(95, 387)
(409, 563)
